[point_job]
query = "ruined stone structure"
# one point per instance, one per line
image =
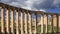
(24, 23)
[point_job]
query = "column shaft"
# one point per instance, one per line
(30, 23)
(22, 24)
(54, 22)
(17, 28)
(46, 21)
(7, 20)
(2, 20)
(12, 22)
(26, 23)
(42, 24)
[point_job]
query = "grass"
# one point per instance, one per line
(49, 28)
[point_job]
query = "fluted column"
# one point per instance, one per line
(41, 24)
(22, 24)
(59, 21)
(2, 20)
(26, 23)
(30, 23)
(54, 22)
(17, 28)
(46, 21)
(7, 20)
(12, 21)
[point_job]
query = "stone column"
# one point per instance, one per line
(46, 21)
(12, 21)
(30, 23)
(42, 24)
(59, 21)
(26, 23)
(22, 24)
(2, 20)
(54, 22)
(7, 20)
(17, 28)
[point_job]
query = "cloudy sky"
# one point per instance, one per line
(47, 5)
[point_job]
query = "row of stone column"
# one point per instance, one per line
(54, 22)
(24, 22)
(5, 22)
(11, 24)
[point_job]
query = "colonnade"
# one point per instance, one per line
(21, 23)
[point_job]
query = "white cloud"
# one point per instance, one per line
(6, 1)
(56, 3)
(35, 4)
(38, 4)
